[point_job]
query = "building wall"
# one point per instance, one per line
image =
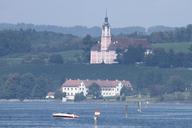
(105, 91)
(95, 57)
(71, 91)
(105, 42)
(104, 55)
(107, 57)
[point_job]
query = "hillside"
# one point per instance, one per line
(86, 71)
(80, 31)
(177, 47)
(44, 59)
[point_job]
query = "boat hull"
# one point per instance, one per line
(65, 115)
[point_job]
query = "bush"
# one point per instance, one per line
(59, 94)
(79, 97)
(95, 91)
(57, 59)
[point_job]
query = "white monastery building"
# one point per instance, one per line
(108, 87)
(102, 53)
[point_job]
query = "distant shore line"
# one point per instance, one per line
(86, 101)
(28, 100)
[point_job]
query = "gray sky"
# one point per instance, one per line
(90, 13)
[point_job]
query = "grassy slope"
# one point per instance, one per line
(177, 47)
(71, 55)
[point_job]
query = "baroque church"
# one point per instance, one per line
(103, 53)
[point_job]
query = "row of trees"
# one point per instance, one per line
(155, 83)
(183, 34)
(169, 59)
(30, 41)
(153, 86)
(159, 57)
(180, 34)
(22, 86)
(25, 41)
(14, 41)
(29, 86)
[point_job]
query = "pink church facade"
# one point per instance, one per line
(102, 52)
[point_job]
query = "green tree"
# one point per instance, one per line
(26, 85)
(163, 59)
(156, 90)
(88, 43)
(59, 94)
(12, 41)
(41, 87)
(79, 97)
(132, 55)
(175, 83)
(190, 48)
(125, 91)
(95, 91)
(56, 59)
(11, 85)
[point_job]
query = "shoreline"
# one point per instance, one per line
(91, 101)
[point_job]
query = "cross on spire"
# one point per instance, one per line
(106, 13)
(106, 18)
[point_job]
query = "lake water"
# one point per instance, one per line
(39, 115)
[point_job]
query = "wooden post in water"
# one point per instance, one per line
(96, 116)
(95, 121)
(126, 110)
(139, 106)
(139, 103)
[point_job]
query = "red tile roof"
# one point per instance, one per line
(102, 83)
(50, 94)
(123, 43)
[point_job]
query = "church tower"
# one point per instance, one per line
(106, 35)
(103, 53)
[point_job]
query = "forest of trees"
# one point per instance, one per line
(177, 35)
(48, 46)
(24, 41)
(25, 86)
(183, 34)
(158, 58)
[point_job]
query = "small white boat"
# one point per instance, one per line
(97, 113)
(65, 115)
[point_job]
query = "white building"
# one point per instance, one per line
(105, 51)
(50, 95)
(102, 53)
(108, 87)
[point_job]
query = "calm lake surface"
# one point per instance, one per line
(39, 115)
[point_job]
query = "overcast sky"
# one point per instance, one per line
(90, 13)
